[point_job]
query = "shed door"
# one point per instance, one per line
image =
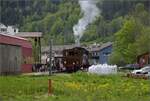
(11, 59)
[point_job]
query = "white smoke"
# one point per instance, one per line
(90, 12)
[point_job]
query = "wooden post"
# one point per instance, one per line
(50, 58)
(39, 42)
(49, 87)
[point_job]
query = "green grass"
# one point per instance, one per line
(74, 87)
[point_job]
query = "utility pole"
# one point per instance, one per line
(50, 58)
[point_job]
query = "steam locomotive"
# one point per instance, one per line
(75, 59)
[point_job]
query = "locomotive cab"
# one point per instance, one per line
(74, 59)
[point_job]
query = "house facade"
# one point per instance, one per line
(104, 54)
(12, 30)
(99, 54)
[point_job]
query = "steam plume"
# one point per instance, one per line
(90, 12)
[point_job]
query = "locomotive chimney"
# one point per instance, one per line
(77, 41)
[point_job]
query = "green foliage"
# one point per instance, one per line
(55, 18)
(116, 58)
(133, 38)
(143, 42)
(90, 34)
(125, 39)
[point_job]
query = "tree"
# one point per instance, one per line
(90, 34)
(143, 42)
(134, 38)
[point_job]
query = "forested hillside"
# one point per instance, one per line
(55, 18)
(124, 22)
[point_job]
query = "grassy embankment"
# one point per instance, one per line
(74, 87)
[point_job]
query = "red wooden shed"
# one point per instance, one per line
(26, 50)
(143, 59)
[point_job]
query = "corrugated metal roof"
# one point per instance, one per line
(29, 34)
(105, 45)
(89, 48)
(57, 48)
(99, 47)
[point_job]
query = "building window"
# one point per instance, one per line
(3, 29)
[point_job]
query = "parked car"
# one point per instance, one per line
(130, 67)
(145, 70)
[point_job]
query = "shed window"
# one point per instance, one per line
(106, 54)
